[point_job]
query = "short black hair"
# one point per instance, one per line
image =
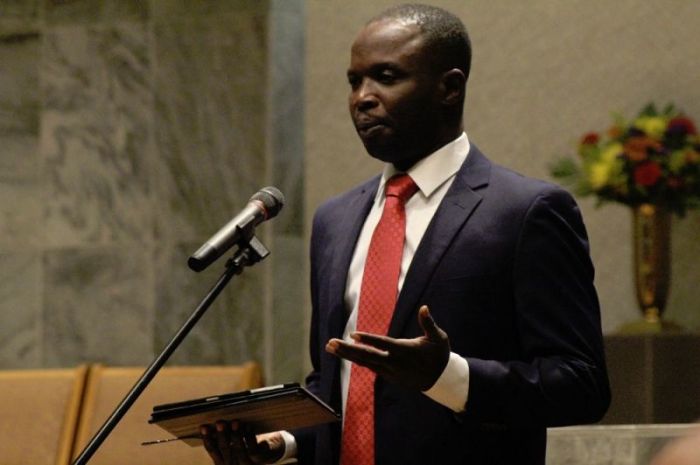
(444, 33)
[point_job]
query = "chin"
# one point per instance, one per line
(381, 152)
(391, 154)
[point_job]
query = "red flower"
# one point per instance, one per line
(681, 123)
(590, 138)
(647, 174)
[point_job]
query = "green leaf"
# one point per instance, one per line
(649, 110)
(564, 168)
(669, 109)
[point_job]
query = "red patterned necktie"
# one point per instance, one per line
(378, 293)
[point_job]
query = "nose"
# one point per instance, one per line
(363, 97)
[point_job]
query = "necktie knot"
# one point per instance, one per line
(401, 186)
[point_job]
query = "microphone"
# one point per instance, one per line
(263, 205)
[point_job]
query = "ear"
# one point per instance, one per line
(452, 85)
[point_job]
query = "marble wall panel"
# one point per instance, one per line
(97, 306)
(288, 331)
(591, 450)
(205, 8)
(287, 349)
(81, 11)
(94, 134)
(19, 9)
(126, 9)
(210, 75)
(19, 16)
(20, 310)
(230, 332)
(20, 186)
(609, 445)
(20, 180)
(92, 11)
(286, 110)
(98, 168)
(210, 79)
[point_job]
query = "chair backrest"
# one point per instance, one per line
(107, 386)
(39, 414)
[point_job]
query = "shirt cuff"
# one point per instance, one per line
(290, 449)
(452, 387)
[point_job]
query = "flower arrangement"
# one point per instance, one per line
(655, 158)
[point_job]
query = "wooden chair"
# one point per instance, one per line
(107, 386)
(39, 414)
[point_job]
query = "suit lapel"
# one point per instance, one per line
(459, 203)
(356, 211)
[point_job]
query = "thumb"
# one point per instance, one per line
(426, 322)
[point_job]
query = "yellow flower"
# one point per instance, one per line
(610, 153)
(599, 174)
(653, 126)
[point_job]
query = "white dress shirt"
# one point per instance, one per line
(433, 175)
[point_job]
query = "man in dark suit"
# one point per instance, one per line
(495, 332)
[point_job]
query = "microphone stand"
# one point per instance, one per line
(249, 253)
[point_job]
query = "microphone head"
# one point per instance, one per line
(271, 198)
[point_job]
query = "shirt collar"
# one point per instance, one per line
(435, 169)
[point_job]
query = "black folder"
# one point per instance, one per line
(274, 408)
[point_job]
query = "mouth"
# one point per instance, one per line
(368, 128)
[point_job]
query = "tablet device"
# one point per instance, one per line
(274, 408)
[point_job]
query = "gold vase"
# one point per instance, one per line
(651, 227)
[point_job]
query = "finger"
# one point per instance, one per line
(239, 450)
(384, 343)
(426, 322)
(368, 357)
(223, 441)
(209, 440)
(356, 351)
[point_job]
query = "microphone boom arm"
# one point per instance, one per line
(249, 253)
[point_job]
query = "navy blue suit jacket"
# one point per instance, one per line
(504, 267)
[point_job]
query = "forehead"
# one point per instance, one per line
(390, 41)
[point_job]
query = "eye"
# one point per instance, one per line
(353, 80)
(387, 76)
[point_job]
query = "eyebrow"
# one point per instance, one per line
(379, 67)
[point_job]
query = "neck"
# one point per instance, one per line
(444, 138)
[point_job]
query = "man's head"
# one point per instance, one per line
(408, 72)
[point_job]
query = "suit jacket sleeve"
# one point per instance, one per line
(560, 376)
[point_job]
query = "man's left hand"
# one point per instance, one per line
(415, 363)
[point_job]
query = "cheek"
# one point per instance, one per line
(410, 103)
(413, 113)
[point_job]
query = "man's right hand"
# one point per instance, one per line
(229, 444)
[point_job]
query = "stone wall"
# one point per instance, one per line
(130, 132)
